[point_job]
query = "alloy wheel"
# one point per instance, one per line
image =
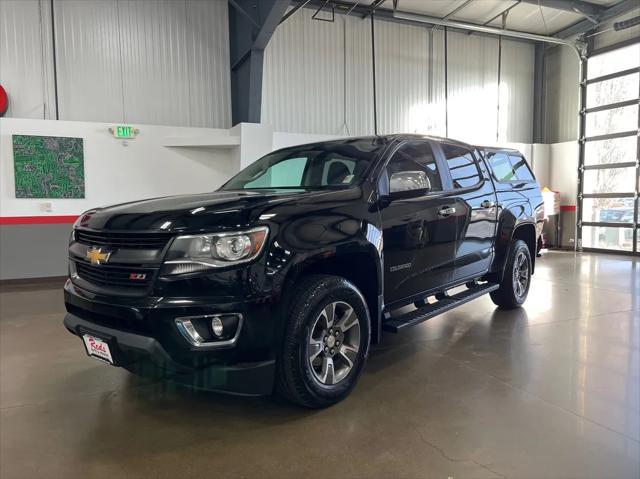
(334, 343)
(521, 274)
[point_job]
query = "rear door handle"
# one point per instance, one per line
(447, 211)
(488, 204)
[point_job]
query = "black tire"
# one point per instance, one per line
(510, 295)
(296, 377)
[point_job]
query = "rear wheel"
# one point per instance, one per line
(326, 342)
(516, 280)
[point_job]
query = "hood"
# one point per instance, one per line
(214, 211)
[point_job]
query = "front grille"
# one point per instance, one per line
(123, 240)
(115, 276)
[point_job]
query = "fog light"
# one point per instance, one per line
(211, 331)
(217, 327)
(189, 331)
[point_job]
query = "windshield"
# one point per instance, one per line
(318, 166)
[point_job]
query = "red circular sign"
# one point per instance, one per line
(4, 101)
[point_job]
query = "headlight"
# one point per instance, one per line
(193, 253)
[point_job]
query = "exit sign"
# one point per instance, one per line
(124, 132)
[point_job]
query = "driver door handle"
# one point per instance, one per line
(447, 211)
(488, 204)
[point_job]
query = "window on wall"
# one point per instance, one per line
(609, 178)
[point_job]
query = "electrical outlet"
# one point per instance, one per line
(46, 207)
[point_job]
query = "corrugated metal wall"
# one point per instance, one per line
(561, 95)
(138, 61)
(515, 122)
(317, 77)
(410, 80)
(306, 90)
(25, 59)
(472, 87)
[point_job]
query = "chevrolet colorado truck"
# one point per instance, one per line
(282, 279)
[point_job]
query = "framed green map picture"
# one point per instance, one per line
(48, 166)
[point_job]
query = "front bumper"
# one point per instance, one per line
(144, 340)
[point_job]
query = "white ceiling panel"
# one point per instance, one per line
(535, 19)
(525, 17)
(482, 11)
(434, 8)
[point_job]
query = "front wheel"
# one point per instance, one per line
(326, 342)
(516, 280)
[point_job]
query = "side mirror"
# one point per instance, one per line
(409, 184)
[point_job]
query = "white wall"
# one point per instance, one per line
(284, 139)
(115, 173)
(148, 166)
(140, 61)
(318, 79)
(564, 171)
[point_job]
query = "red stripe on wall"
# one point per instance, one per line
(567, 207)
(37, 220)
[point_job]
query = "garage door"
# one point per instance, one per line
(609, 173)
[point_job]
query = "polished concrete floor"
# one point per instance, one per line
(548, 391)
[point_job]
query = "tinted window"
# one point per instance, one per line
(463, 167)
(416, 156)
(519, 164)
(337, 171)
(287, 173)
(323, 165)
(501, 167)
(509, 167)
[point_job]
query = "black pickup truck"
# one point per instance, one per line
(282, 279)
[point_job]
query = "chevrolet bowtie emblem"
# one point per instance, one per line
(96, 256)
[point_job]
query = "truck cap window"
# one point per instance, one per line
(501, 166)
(416, 156)
(462, 165)
(521, 168)
(308, 167)
(507, 168)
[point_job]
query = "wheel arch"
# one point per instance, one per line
(509, 231)
(362, 268)
(527, 233)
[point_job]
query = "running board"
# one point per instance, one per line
(442, 305)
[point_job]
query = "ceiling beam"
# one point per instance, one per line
(584, 26)
(251, 25)
(294, 10)
(372, 8)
